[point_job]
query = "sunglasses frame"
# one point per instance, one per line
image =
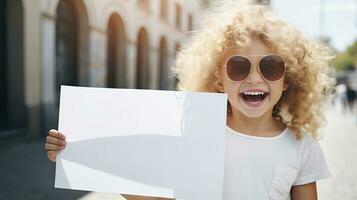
(251, 65)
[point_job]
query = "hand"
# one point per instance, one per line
(55, 142)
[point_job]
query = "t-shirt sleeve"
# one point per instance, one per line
(313, 165)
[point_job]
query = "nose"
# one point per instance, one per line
(254, 75)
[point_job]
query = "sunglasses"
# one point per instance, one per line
(271, 67)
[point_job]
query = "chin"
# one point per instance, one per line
(249, 113)
(252, 114)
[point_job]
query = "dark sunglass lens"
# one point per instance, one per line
(272, 67)
(238, 68)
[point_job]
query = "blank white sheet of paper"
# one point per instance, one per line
(142, 142)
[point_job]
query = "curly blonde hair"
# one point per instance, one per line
(229, 24)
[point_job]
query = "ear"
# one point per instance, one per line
(285, 87)
(219, 86)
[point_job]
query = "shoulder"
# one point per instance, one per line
(309, 151)
(311, 161)
(305, 143)
(306, 137)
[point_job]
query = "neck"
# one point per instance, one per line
(264, 126)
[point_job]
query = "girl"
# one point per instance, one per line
(276, 81)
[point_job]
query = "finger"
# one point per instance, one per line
(52, 155)
(53, 147)
(56, 134)
(54, 140)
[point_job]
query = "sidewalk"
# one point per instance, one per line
(340, 147)
(26, 174)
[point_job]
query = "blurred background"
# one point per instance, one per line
(131, 44)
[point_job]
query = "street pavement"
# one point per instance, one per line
(340, 148)
(25, 172)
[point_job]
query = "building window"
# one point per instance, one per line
(12, 108)
(116, 53)
(67, 37)
(163, 66)
(178, 16)
(142, 61)
(164, 10)
(190, 22)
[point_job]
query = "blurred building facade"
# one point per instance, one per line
(95, 43)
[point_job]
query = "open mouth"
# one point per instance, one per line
(254, 98)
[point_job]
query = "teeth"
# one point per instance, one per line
(253, 93)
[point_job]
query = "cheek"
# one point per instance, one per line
(277, 90)
(230, 87)
(232, 91)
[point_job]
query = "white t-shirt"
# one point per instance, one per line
(259, 168)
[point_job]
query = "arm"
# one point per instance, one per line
(304, 192)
